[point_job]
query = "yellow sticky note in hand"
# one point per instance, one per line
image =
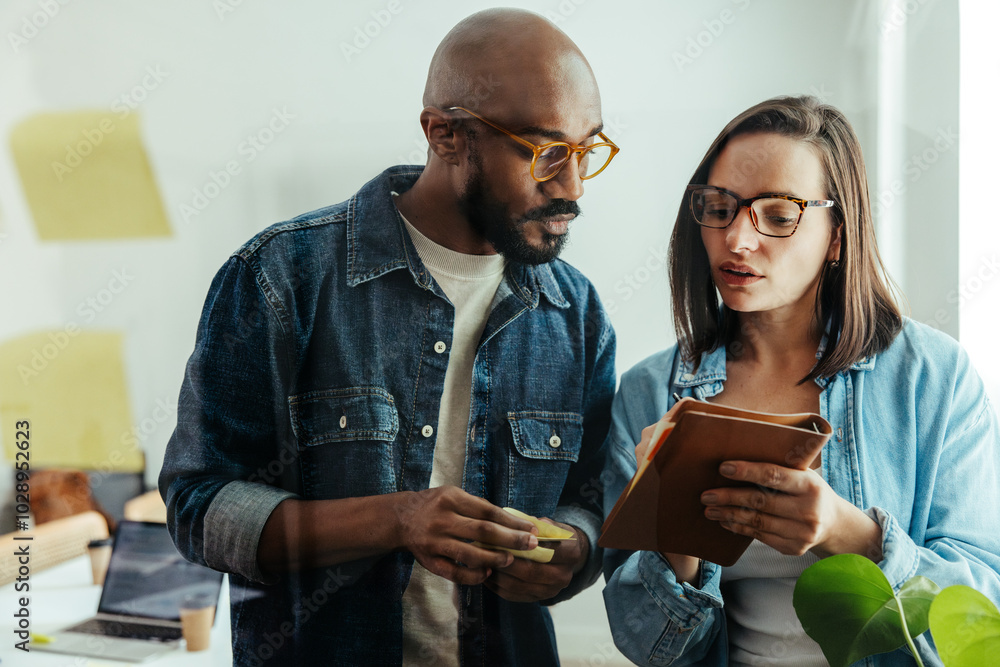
(538, 554)
(546, 531)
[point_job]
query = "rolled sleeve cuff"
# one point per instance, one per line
(900, 556)
(233, 524)
(590, 525)
(684, 604)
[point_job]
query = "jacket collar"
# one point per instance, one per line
(713, 366)
(863, 364)
(377, 242)
(711, 369)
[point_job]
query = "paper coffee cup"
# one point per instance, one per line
(100, 556)
(197, 617)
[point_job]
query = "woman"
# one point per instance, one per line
(776, 221)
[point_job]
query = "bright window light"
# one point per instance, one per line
(978, 291)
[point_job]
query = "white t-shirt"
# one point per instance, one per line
(763, 627)
(430, 602)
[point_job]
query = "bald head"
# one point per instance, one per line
(500, 60)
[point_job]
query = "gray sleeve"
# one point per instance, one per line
(233, 524)
(590, 524)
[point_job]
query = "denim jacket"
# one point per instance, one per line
(915, 445)
(316, 374)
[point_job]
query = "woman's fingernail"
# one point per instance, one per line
(709, 498)
(727, 469)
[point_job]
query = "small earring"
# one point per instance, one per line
(835, 263)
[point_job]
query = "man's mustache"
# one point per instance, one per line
(553, 208)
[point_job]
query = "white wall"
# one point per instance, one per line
(978, 291)
(224, 75)
(671, 75)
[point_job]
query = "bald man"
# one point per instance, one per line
(372, 382)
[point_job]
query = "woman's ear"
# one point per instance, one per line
(833, 254)
(442, 137)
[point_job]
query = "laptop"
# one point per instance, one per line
(138, 617)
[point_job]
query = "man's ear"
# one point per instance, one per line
(444, 140)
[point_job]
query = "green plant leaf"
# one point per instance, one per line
(847, 606)
(966, 627)
(917, 595)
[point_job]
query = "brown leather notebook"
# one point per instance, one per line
(661, 508)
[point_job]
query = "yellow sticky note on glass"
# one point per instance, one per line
(86, 176)
(69, 386)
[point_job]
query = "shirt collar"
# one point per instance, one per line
(713, 366)
(863, 364)
(377, 242)
(711, 369)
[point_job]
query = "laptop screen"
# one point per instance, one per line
(148, 577)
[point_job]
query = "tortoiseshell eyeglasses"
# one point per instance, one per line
(549, 158)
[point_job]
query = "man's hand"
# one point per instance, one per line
(528, 581)
(437, 526)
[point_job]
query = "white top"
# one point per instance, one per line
(430, 603)
(763, 628)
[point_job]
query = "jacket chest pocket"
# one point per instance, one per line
(546, 444)
(345, 439)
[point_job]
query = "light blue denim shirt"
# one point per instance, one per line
(318, 372)
(915, 445)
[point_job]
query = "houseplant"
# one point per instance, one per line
(846, 604)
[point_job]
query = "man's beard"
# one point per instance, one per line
(491, 219)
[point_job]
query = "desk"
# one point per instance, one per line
(63, 595)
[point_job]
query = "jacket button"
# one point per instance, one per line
(440, 347)
(687, 377)
(555, 441)
(427, 431)
(343, 421)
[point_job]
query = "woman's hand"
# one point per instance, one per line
(686, 568)
(793, 511)
(646, 440)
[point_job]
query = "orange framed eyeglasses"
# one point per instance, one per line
(548, 159)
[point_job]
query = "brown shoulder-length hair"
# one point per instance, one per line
(856, 298)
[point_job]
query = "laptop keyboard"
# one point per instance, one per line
(99, 626)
